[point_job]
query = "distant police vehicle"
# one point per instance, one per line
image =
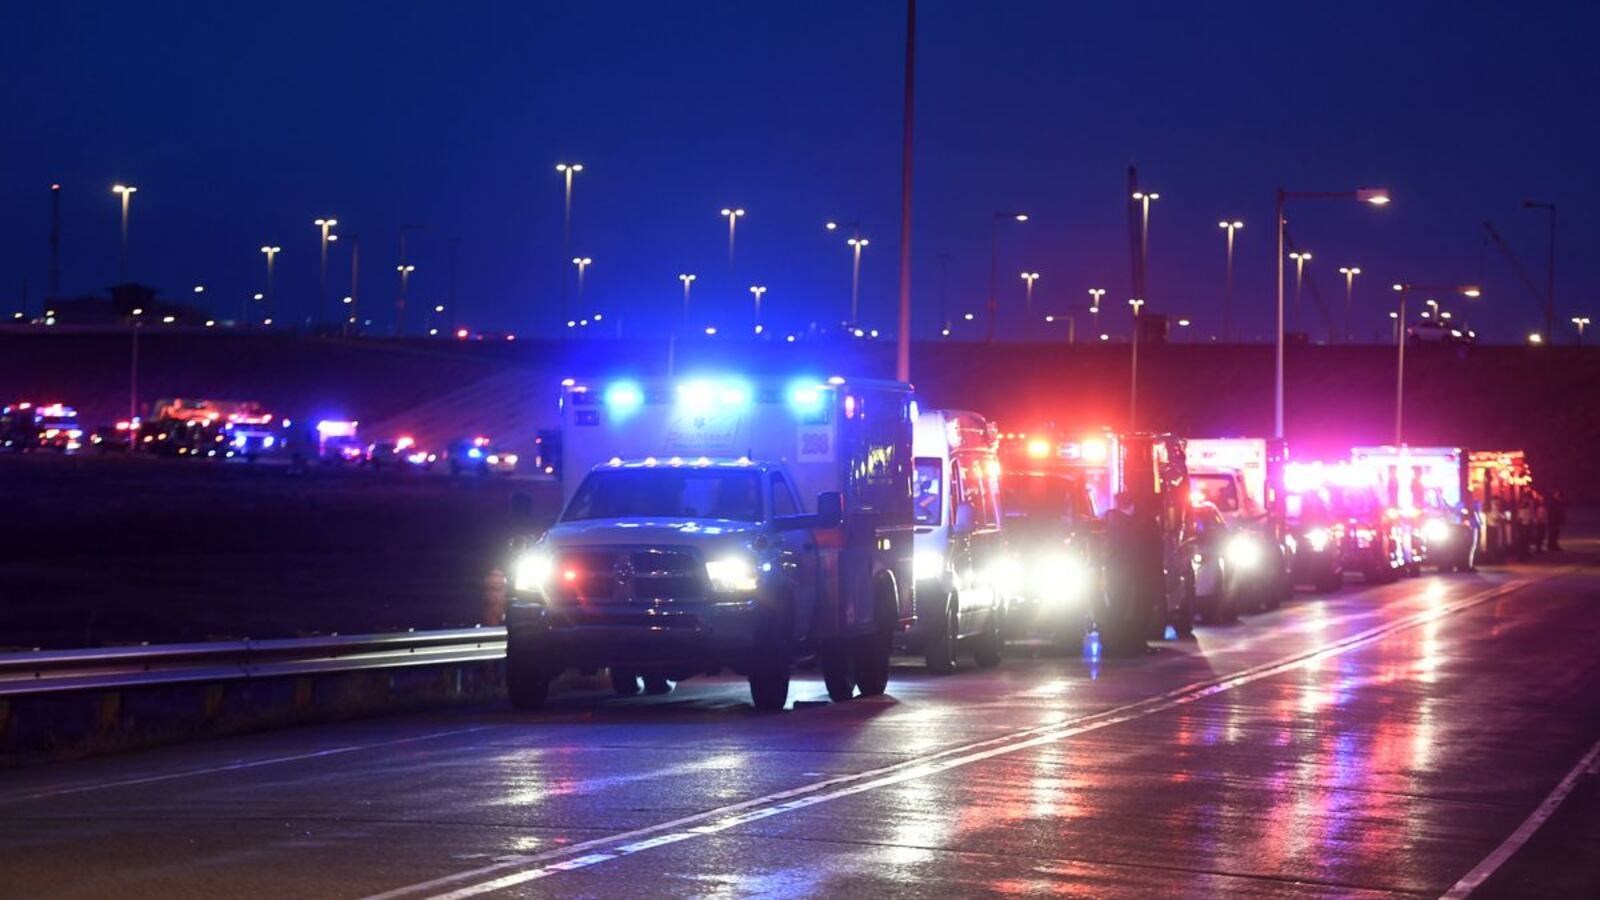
(721, 522)
(1052, 531)
(1426, 487)
(960, 554)
(1243, 479)
(478, 455)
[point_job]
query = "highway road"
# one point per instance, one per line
(1400, 739)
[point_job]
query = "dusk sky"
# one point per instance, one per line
(240, 124)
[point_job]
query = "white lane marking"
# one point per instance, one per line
(1481, 872)
(240, 766)
(604, 849)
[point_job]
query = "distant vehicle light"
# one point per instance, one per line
(624, 396)
(927, 566)
(1095, 451)
(1435, 531)
(475, 453)
(1038, 448)
(1244, 551)
(731, 575)
(1318, 539)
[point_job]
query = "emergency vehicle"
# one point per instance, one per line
(201, 428)
(1243, 479)
(1144, 580)
(51, 426)
(1426, 488)
(1053, 530)
(721, 522)
(338, 443)
(1338, 523)
(1498, 481)
(959, 558)
(480, 456)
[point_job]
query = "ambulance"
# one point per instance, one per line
(1426, 489)
(721, 522)
(1243, 479)
(959, 560)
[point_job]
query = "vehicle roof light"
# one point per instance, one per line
(1038, 448)
(1095, 451)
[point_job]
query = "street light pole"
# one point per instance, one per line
(1582, 322)
(687, 280)
(1374, 196)
(733, 215)
(322, 290)
(127, 192)
(758, 290)
(567, 170)
(1300, 260)
(272, 257)
(1550, 276)
(582, 262)
(1227, 297)
(1133, 403)
(1466, 290)
(856, 243)
(994, 266)
(1349, 273)
(1029, 278)
(1145, 198)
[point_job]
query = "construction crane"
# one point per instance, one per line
(1540, 302)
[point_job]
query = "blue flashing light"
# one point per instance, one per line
(624, 396)
(698, 396)
(475, 453)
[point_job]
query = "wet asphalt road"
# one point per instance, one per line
(1378, 740)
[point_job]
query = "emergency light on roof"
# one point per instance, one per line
(1039, 448)
(624, 396)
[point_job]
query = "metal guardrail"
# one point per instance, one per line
(56, 671)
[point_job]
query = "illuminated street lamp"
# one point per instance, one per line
(567, 170)
(1349, 273)
(1029, 278)
(757, 290)
(856, 245)
(1094, 299)
(687, 280)
(1465, 290)
(126, 191)
(994, 265)
(582, 262)
(1582, 322)
(1133, 401)
(322, 291)
(1374, 196)
(1229, 226)
(733, 215)
(1144, 199)
(1300, 260)
(1535, 338)
(272, 257)
(405, 270)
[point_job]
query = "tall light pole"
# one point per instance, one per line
(1144, 199)
(994, 266)
(55, 247)
(1349, 273)
(1028, 279)
(1133, 402)
(322, 291)
(1550, 276)
(1582, 322)
(567, 170)
(1094, 299)
(856, 244)
(1229, 226)
(353, 314)
(733, 215)
(1465, 290)
(405, 270)
(1300, 260)
(272, 258)
(1374, 196)
(687, 280)
(126, 191)
(757, 290)
(583, 263)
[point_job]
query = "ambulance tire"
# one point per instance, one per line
(940, 645)
(873, 651)
(655, 685)
(769, 685)
(838, 671)
(624, 683)
(527, 685)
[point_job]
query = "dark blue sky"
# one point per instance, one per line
(240, 123)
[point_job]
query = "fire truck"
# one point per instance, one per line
(1497, 482)
(51, 426)
(202, 428)
(1140, 576)
(1426, 488)
(1243, 479)
(721, 522)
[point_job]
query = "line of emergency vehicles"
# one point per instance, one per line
(759, 524)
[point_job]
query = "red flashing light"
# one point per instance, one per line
(461, 334)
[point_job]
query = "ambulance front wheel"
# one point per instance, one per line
(527, 686)
(769, 685)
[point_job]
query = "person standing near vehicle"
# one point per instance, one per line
(1541, 523)
(1524, 528)
(1557, 506)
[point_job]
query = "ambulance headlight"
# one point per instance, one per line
(1318, 539)
(927, 566)
(1244, 551)
(530, 571)
(1059, 577)
(731, 575)
(1435, 531)
(1007, 576)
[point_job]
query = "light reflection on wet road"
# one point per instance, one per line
(1392, 765)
